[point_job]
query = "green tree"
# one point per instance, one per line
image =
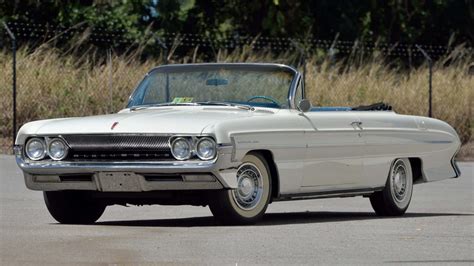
(410, 21)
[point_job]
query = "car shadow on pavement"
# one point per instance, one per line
(274, 219)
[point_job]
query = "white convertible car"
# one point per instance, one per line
(235, 137)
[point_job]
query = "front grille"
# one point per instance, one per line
(118, 147)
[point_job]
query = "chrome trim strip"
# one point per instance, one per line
(224, 145)
(454, 163)
(140, 184)
(329, 194)
(438, 141)
(52, 167)
(292, 91)
(173, 67)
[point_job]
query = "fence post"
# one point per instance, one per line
(12, 37)
(109, 62)
(430, 80)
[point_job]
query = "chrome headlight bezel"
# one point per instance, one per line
(190, 148)
(64, 144)
(214, 149)
(43, 150)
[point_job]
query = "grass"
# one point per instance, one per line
(58, 84)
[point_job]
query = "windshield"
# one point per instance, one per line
(254, 85)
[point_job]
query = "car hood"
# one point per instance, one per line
(180, 119)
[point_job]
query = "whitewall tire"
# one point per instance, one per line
(395, 198)
(247, 203)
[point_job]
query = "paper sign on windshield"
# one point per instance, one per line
(182, 100)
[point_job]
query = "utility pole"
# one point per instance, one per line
(430, 80)
(12, 37)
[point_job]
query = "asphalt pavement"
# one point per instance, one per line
(438, 228)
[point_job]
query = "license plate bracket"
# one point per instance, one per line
(119, 182)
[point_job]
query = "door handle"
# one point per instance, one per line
(357, 124)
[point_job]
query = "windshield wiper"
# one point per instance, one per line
(242, 106)
(139, 107)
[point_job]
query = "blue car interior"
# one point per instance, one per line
(373, 107)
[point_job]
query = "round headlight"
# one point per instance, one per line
(57, 149)
(181, 149)
(206, 149)
(35, 149)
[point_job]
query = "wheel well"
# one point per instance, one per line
(273, 171)
(416, 169)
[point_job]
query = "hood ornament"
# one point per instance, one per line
(114, 125)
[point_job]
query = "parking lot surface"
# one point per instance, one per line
(438, 228)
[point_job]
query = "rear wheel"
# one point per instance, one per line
(247, 203)
(395, 198)
(73, 207)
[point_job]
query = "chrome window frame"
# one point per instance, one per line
(258, 66)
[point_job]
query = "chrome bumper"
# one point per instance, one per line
(46, 176)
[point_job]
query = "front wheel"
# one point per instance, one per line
(394, 199)
(247, 203)
(73, 207)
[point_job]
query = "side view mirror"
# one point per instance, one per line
(304, 105)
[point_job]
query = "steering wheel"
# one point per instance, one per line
(268, 98)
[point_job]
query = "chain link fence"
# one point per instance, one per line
(77, 71)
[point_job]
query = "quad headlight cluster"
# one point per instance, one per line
(184, 148)
(39, 148)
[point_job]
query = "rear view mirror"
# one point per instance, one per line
(304, 105)
(216, 82)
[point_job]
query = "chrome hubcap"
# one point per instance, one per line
(246, 187)
(250, 187)
(399, 180)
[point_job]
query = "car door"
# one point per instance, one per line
(334, 152)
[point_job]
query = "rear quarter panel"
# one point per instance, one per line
(389, 136)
